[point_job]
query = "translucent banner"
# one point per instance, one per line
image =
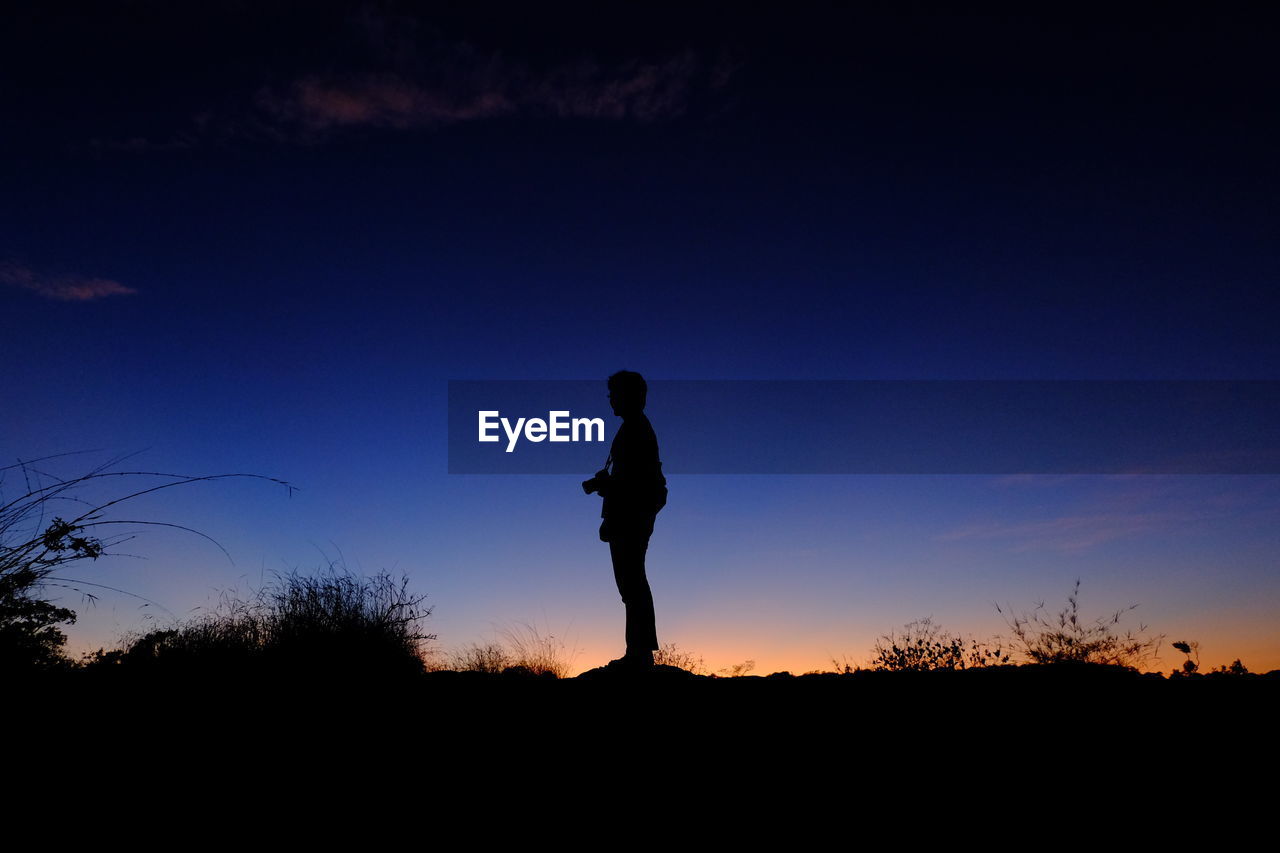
(876, 427)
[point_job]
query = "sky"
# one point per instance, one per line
(264, 237)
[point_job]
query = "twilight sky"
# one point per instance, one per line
(263, 237)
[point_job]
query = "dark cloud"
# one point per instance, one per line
(64, 288)
(399, 72)
(640, 91)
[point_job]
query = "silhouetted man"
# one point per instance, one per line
(634, 490)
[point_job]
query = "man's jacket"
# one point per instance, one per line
(636, 487)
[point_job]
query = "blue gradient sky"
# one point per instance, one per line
(325, 216)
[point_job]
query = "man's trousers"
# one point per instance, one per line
(628, 543)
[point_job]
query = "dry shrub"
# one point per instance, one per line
(1065, 637)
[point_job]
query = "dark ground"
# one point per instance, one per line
(510, 753)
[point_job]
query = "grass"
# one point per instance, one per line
(672, 655)
(53, 523)
(541, 654)
(332, 622)
(1065, 637)
(1036, 637)
(520, 647)
(338, 622)
(924, 645)
(477, 657)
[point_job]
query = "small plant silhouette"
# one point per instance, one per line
(1067, 638)
(479, 657)
(844, 665)
(1191, 666)
(1192, 651)
(671, 655)
(540, 654)
(924, 646)
(1234, 668)
(521, 647)
(738, 669)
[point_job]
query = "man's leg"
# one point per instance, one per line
(628, 544)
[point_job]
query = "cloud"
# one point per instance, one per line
(1072, 532)
(1114, 507)
(375, 100)
(398, 73)
(63, 288)
(474, 88)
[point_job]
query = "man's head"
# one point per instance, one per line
(627, 392)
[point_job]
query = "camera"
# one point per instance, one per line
(597, 482)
